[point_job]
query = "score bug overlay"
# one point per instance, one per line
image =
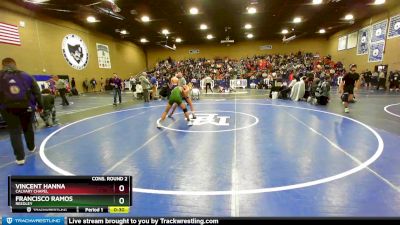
(87, 194)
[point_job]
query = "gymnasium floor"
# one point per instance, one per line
(247, 155)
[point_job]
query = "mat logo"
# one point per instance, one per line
(9, 220)
(214, 119)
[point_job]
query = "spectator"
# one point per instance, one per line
(146, 86)
(368, 78)
(93, 84)
(85, 85)
(62, 89)
(101, 84)
(298, 90)
(375, 78)
(132, 82)
(382, 80)
(18, 107)
(154, 85)
(74, 91)
(116, 83)
(322, 92)
(48, 108)
(394, 81)
(52, 86)
(208, 81)
(73, 84)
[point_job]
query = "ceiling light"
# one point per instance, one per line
(165, 32)
(248, 26)
(194, 11)
(36, 1)
(91, 19)
(124, 32)
(297, 20)
(349, 17)
(322, 31)
(144, 40)
(284, 31)
(379, 2)
(178, 40)
(209, 37)
(316, 2)
(251, 10)
(145, 19)
(203, 27)
(250, 36)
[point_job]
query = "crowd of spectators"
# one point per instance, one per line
(275, 72)
(255, 69)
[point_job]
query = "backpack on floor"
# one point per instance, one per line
(14, 91)
(74, 91)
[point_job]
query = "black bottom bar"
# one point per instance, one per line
(219, 221)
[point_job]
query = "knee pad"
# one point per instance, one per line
(185, 110)
(345, 97)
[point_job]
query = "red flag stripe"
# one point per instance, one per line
(9, 35)
(9, 31)
(8, 28)
(8, 24)
(9, 38)
(10, 42)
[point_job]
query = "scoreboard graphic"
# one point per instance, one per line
(63, 194)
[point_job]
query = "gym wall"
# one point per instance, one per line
(349, 56)
(237, 50)
(41, 53)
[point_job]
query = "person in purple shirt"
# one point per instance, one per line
(116, 82)
(19, 96)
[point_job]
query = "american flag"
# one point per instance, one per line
(9, 34)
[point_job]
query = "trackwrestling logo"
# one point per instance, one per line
(33, 220)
